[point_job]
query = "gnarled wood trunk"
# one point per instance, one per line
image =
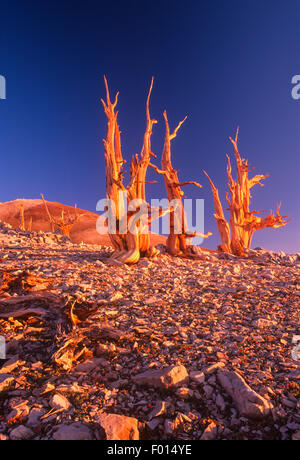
(63, 224)
(129, 245)
(243, 222)
(177, 240)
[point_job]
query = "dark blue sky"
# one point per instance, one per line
(220, 63)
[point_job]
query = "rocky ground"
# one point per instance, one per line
(166, 349)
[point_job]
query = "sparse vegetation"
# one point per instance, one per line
(65, 223)
(23, 225)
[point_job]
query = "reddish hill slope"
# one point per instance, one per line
(83, 231)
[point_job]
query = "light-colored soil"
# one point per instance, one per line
(79, 332)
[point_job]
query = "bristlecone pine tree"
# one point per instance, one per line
(243, 222)
(132, 241)
(22, 217)
(63, 224)
(23, 225)
(177, 242)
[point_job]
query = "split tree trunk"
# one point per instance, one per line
(129, 246)
(243, 222)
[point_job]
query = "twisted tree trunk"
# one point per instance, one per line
(243, 222)
(179, 234)
(64, 226)
(131, 238)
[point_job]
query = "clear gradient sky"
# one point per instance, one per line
(221, 63)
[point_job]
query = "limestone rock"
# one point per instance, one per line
(153, 424)
(162, 378)
(60, 402)
(197, 376)
(184, 393)
(21, 433)
(249, 403)
(159, 409)
(262, 323)
(89, 365)
(119, 427)
(34, 416)
(213, 368)
(296, 436)
(73, 432)
(210, 432)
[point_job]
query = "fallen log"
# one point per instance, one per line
(25, 305)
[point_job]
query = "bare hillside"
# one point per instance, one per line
(83, 231)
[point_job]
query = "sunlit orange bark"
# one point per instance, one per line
(243, 222)
(128, 247)
(223, 226)
(177, 240)
(64, 224)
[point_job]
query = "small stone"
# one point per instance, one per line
(21, 433)
(296, 436)
(37, 365)
(162, 378)
(115, 297)
(214, 367)
(262, 323)
(208, 390)
(220, 402)
(145, 263)
(249, 403)
(59, 402)
(184, 393)
(34, 416)
(89, 365)
(151, 301)
(73, 432)
(69, 388)
(119, 427)
(197, 376)
(153, 424)
(103, 348)
(169, 427)
(210, 432)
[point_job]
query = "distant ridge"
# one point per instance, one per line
(83, 231)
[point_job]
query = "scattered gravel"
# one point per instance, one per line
(80, 333)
